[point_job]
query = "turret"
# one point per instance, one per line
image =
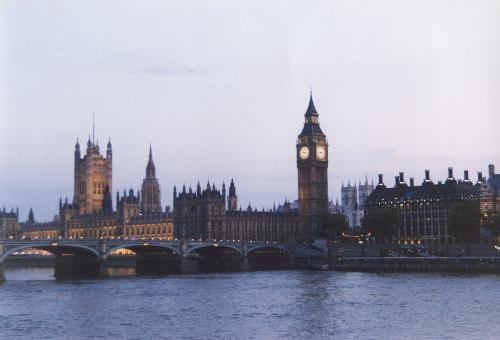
(109, 150)
(89, 147)
(77, 150)
(31, 217)
(107, 204)
(232, 202)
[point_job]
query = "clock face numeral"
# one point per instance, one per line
(321, 152)
(304, 152)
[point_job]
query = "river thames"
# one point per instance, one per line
(250, 305)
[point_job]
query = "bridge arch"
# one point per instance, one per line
(136, 247)
(268, 246)
(213, 246)
(55, 249)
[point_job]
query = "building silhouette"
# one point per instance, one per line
(208, 213)
(423, 212)
(91, 213)
(353, 200)
(202, 214)
(93, 174)
(312, 166)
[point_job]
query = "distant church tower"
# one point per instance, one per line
(364, 190)
(93, 174)
(312, 165)
(151, 188)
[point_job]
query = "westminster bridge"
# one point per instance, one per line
(88, 258)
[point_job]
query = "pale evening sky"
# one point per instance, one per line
(220, 88)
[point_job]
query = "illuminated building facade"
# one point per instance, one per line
(490, 191)
(312, 168)
(134, 218)
(423, 211)
(92, 177)
(9, 223)
(202, 214)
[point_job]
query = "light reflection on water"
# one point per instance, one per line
(47, 274)
(258, 305)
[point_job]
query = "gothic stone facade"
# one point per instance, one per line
(91, 213)
(209, 215)
(312, 166)
(92, 177)
(353, 200)
(203, 214)
(9, 223)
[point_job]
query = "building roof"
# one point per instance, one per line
(450, 191)
(311, 128)
(311, 110)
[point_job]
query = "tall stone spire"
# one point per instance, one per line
(150, 168)
(151, 188)
(311, 110)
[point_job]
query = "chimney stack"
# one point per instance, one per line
(401, 178)
(412, 182)
(479, 177)
(491, 170)
(450, 179)
(380, 181)
(427, 180)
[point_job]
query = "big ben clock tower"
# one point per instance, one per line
(312, 165)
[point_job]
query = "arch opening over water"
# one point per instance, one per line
(213, 249)
(146, 250)
(79, 251)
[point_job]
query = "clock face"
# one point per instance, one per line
(304, 152)
(320, 152)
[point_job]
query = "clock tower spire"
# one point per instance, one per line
(312, 166)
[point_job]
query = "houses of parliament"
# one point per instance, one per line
(208, 213)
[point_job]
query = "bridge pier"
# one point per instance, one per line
(156, 265)
(245, 264)
(2, 272)
(188, 265)
(71, 267)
